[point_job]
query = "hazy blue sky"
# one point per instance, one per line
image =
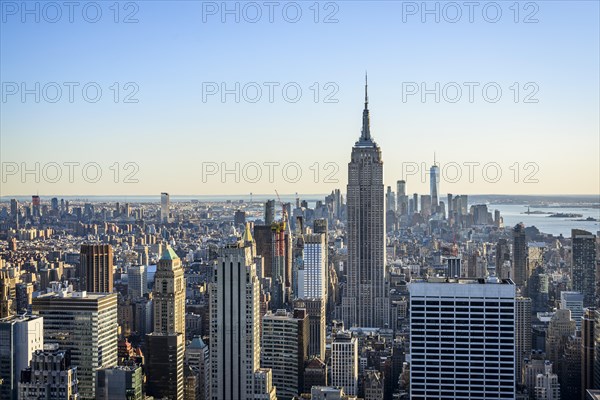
(176, 50)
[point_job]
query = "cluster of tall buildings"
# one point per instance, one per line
(372, 294)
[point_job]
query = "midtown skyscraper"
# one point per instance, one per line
(583, 265)
(365, 302)
(96, 268)
(235, 321)
(167, 343)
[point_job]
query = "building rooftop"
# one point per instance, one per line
(169, 254)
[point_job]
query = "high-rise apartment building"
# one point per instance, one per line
(96, 268)
(84, 323)
(365, 302)
(462, 339)
(284, 348)
(583, 265)
(20, 337)
(344, 362)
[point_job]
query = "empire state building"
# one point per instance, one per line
(366, 303)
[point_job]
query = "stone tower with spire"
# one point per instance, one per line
(365, 303)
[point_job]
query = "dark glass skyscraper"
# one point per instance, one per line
(583, 265)
(365, 302)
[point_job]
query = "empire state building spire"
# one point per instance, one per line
(366, 130)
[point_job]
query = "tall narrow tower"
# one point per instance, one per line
(235, 322)
(166, 345)
(434, 184)
(365, 302)
(169, 295)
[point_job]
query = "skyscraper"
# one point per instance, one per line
(312, 280)
(165, 204)
(344, 362)
(166, 344)
(462, 339)
(234, 319)
(20, 337)
(96, 268)
(583, 265)
(269, 212)
(169, 294)
(573, 301)
(402, 208)
(84, 323)
(284, 348)
(365, 302)
(519, 255)
(119, 383)
(315, 307)
(434, 185)
(589, 327)
(522, 333)
(137, 284)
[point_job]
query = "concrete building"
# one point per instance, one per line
(263, 385)
(344, 362)
(284, 348)
(519, 256)
(316, 308)
(546, 385)
(561, 326)
(462, 339)
(51, 376)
